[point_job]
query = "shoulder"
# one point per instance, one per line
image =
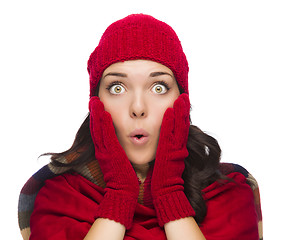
(228, 168)
(231, 205)
(236, 177)
(234, 187)
(65, 207)
(68, 184)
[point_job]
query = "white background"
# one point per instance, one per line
(235, 53)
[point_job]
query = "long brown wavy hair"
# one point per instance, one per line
(201, 166)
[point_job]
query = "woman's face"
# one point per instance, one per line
(137, 93)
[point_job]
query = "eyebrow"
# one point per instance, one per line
(116, 74)
(156, 74)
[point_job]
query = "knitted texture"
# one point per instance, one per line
(230, 211)
(139, 36)
(167, 184)
(122, 186)
(92, 172)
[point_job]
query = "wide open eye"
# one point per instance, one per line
(160, 89)
(116, 89)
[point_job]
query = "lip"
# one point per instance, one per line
(139, 141)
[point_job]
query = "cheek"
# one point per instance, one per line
(160, 108)
(117, 113)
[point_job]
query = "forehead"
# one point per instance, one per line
(137, 67)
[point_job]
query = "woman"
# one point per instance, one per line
(137, 168)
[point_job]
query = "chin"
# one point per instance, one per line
(141, 159)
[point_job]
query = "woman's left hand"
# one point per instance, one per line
(167, 188)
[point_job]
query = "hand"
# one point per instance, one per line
(167, 184)
(122, 186)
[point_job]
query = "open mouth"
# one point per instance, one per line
(139, 139)
(139, 136)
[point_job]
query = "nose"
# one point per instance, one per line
(138, 107)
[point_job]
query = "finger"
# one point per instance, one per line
(186, 99)
(96, 110)
(182, 104)
(110, 138)
(167, 125)
(91, 101)
(187, 108)
(95, 105)
(182, 110)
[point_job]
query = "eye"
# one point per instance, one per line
(116, 88)
(160, 88)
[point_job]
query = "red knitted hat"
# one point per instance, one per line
(139, 36)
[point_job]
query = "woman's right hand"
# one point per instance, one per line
(122, 185)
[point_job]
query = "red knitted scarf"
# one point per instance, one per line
(66, 205)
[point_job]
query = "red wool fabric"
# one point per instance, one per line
(167, 187)
(122, 185)
(138, 36)
(65, 208)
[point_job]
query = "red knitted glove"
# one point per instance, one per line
(167, 189)
(122, 186)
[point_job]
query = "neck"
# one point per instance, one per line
(141, 170)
